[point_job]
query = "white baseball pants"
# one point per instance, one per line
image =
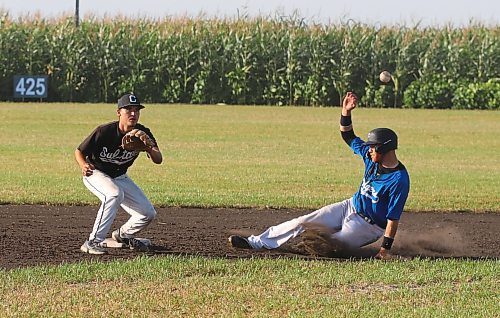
(348, 228)
(113, 193)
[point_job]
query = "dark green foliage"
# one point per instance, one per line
(381, 96)
(478, 96)
(433, 92)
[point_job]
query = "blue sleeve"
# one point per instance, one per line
(358, 148)
(397, 199)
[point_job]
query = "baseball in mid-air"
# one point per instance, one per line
(385, 77)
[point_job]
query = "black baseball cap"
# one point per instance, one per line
(129, 100)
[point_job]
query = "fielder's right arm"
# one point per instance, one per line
(86, 167)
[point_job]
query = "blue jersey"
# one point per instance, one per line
(381, 196)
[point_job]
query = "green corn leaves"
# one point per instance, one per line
(275, 61)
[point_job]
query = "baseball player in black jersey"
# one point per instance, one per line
(104, 165)
(372, 212)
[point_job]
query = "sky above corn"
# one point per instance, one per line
(385, 12)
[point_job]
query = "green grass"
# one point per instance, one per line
(244, 156)
(198, 287)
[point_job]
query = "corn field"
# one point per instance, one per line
(250, 61)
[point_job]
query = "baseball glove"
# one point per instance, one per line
(137, 140)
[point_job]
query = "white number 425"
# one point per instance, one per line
(30, 86)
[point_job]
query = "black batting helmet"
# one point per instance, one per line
(384, 140)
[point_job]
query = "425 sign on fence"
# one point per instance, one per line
(30, 86)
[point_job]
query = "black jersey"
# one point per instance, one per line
(102, 149)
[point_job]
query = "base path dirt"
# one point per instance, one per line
(33, 235)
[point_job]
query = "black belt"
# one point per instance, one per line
(365, 217)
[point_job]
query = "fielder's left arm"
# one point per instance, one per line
(155, 155)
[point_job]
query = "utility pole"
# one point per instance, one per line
(77, 13)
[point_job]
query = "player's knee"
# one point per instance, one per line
(342, 242)
(119, 196)
(150, 214)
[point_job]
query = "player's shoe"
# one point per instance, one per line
(239, 242)
(132, 243)
(92, 247)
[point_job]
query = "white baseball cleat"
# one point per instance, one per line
(94, 248)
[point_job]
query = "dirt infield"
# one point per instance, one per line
(52, 235)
